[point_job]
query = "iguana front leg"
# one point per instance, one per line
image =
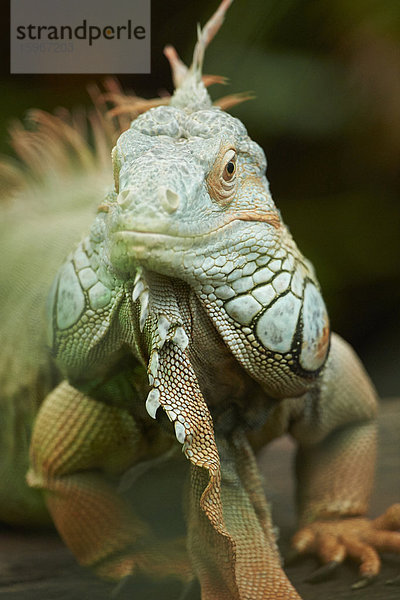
(335, 468)
(79, 447)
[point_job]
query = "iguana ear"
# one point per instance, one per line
(80, 312)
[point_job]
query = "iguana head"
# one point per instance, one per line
(188, 179)
(187, 182)
(192, 201)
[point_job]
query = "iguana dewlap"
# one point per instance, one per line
(189, 317)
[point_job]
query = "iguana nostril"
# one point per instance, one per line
(169, 199)
(125, 197)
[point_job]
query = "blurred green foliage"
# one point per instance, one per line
(326, 76)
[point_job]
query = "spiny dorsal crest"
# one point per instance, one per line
(66, 138)
(190, 84)
(190, 90)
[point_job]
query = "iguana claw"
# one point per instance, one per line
(323, 572)
(363, 582)
(121, 586)
(394, 581)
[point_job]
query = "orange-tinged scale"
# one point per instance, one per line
(323, 342)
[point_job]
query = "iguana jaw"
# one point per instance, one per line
(165, 252)
(150, 228)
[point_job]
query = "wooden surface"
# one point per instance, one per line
(36, 566)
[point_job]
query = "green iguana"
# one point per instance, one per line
(186, 319)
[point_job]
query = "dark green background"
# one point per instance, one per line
(326, 75)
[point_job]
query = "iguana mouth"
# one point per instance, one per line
(269, 218)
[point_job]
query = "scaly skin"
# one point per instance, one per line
(189, 299)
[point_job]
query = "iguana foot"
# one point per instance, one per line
(357, 538)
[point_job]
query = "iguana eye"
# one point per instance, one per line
(221, 181)
(230, 165)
